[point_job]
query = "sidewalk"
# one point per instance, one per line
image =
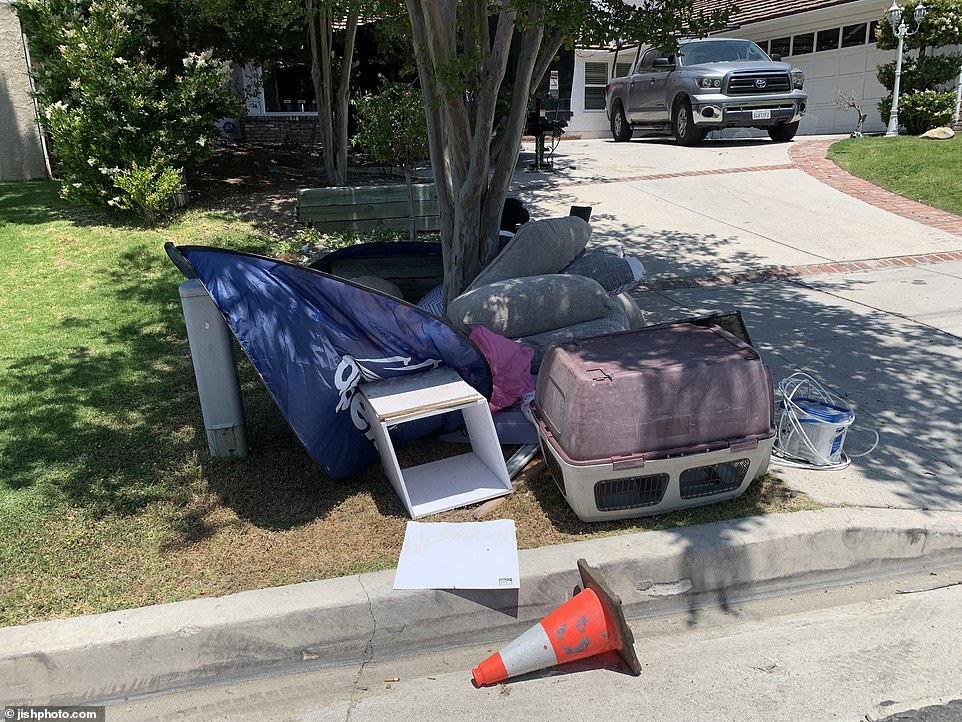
(891, 342)
(889, 339)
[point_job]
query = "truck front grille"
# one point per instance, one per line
(759, 82)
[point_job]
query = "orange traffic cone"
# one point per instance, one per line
(589, 623)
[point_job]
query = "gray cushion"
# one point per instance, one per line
(609, 269)
(526, 306)
(612, 322)
(636, 317)
(539, 247)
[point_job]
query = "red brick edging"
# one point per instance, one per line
(809, 156)
(779, 273)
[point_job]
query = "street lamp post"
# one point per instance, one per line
(901, 31)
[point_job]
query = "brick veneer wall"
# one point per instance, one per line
(281, 129)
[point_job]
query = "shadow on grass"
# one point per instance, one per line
(113, 425)
(38, 202)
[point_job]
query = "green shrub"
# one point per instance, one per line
(921, 73)
(923, 104)
(115, 117)
(147, 190)
(923, 110)
(391, 125)
(941, 26)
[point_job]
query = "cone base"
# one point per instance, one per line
(614, 614)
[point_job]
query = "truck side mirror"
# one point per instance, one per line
(663, 63)
(776, 58)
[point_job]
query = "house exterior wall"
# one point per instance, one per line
(260, 126)
(21, 152)
(592, 123)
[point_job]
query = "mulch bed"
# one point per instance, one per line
(259, 183)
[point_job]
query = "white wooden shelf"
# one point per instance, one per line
(447, 483)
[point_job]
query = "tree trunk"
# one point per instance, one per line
(460, 122)
(343, 102)
(333, 104)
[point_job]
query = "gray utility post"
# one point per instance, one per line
(212, 352)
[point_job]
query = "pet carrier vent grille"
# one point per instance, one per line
(630, 493)
(714, 479)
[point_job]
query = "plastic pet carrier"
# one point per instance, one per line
(652, 420)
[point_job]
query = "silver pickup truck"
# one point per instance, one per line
(708, 84)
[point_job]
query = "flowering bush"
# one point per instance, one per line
(117, 120)
(923, 110)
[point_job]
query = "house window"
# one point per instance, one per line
(803, 44)
(854, 35)
(872, 30)
(763, 44)
(827, 40)
(596, 77)
(622, 69)
(781, 46)
(288, 88)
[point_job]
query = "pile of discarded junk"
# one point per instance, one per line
(545, 349)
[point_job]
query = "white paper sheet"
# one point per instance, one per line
(469, 555)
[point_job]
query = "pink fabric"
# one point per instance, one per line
(510, 364)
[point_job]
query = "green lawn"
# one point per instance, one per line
(923, 170)
(107, 497)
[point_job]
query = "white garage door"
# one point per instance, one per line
(851, 70)
(835, 48)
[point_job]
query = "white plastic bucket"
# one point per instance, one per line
(813, 430)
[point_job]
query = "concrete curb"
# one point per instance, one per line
(349, 620)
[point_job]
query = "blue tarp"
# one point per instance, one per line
(313, 338)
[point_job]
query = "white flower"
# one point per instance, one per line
(75, 185)
(202, 141)
(120, 61)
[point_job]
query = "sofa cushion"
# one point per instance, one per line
(610, 269)
(539, 247)
(526, 306)
(612, 322)
(636, 317)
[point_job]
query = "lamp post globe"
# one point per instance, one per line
(895, 16)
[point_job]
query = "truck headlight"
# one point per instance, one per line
(708, 82)
(798, 79)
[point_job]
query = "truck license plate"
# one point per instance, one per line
(761, 114)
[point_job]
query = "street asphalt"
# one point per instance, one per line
(890, 341)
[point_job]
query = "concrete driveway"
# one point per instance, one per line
(889, 340)
(722, 206)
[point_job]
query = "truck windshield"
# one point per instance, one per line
(720, 51)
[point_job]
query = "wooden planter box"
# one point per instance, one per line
(368, 208)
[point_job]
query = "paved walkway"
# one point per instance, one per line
(726, 208)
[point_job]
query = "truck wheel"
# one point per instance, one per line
(683, 126)
(620, 127)
(783, 132)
